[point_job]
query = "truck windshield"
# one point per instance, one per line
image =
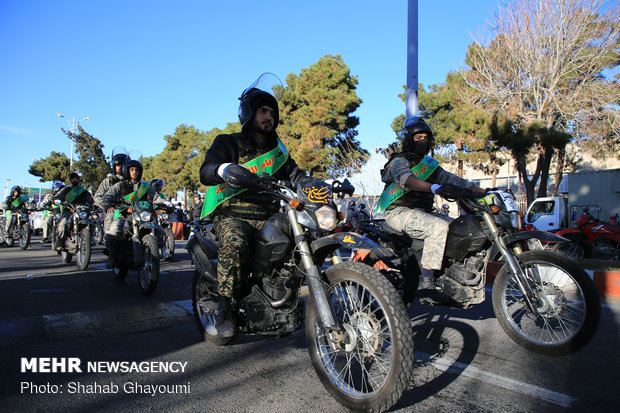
(539, 209)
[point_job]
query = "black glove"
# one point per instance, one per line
(238, 177)
(450, 191)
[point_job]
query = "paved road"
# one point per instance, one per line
(464, 362)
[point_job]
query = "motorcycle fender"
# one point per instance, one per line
(351, 240)
(201, 260)
(510, 239)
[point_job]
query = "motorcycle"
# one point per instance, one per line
(19, 228)
(163, 217)
(357, 328)
(590, 239)
(543, 301)
(96, 230)
(79, 239)
(138, 248)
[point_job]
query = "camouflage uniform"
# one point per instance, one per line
(412, 213)
(104, 186)
(234, 235)
(46, 205)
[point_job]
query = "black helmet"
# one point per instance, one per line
(57, 186)
(414, 124)
(257, 95)
(119, 159)
(362, 206)
(158, 184)
(254, 99)
(131, 163)
(16, 188)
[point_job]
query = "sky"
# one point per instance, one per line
(138, 69)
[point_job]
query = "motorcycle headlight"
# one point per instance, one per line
(164, 216)
(146, 216)
(515, 219)
(83, 214)
(326, 218)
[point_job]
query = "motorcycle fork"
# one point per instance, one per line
(313, 276)
(512, 262)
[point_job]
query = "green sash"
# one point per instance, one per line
(19, 200)
(134, 196)
(74, 193)
(422, 170)
(268, 163)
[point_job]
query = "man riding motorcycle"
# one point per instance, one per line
(117, 165)
(12, 204)
(47, 206)
(237, 219)
(412, 178)
(75, 194)
(132, 174)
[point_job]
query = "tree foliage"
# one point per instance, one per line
(53, 168)
(91, 163)
(316, 124)
(543, 72)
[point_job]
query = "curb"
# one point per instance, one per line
(82, 324)
(607, 281)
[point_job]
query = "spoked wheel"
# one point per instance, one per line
(367, 362)
(168, 249)
(97, 233)
(567, 308)
(53, 239)
(570, 249)
(148, 274)
(205, 303)
(83, 248)
(25, 236)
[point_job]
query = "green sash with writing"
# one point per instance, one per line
(422, 170)
(268, 163)
(134, 196)
(74, 193)
(19, 200)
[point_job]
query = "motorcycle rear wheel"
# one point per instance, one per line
(148, 274)
(571, 249)
(169, 244)
(26, 235)
(205, 303)
(371, 368)
(568, 306)
(84, 248)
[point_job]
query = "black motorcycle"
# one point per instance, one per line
(544, 302)
(78, 242)
(138, 249)
(357, 328)
(164, 212)
(19, 228)
(96, 229)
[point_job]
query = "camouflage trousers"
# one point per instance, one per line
(431, 227)
(235, 236)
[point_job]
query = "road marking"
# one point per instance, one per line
(510, 384)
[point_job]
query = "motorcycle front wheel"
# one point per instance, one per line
(97, 233)
(83, 248)
(366, 364)
(567, 308)
(25, 236)
(169, 244)
(148, 274)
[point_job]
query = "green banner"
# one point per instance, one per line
(19, 200)
(74, 193)
(134, 196)
(422, 170)
(268, 163)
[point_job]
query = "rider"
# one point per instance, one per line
(118, 160)
(351, 217)
(238, 218)
(46, 206)
(416, 177)
(362, 214)
(75, 194)
(197, 208)
(13, 204)
(132, 174)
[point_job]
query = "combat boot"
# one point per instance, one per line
(111, 246)
(225, 321)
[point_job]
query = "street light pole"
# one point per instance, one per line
(72, 124)
(6, 191)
